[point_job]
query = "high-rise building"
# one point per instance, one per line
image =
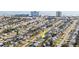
(34, 14)
(58, 14)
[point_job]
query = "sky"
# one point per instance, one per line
(50, 13)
